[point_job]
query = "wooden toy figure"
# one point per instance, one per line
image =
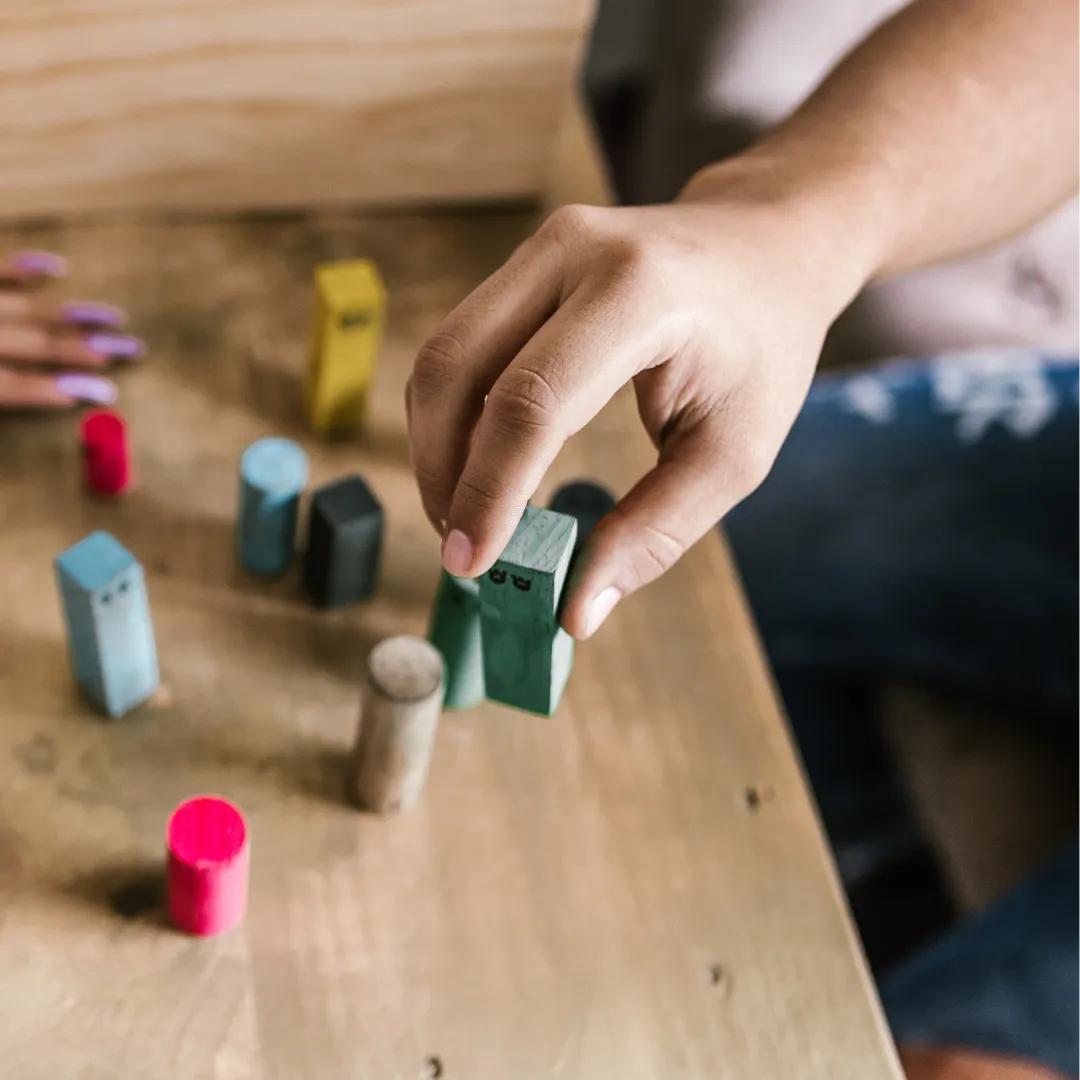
(455, 632)
(106, 461)
(273, 473)
(403, 695)
(350, 309)
(527, 655)
(207, 855)
(108, 618)
(341, 563)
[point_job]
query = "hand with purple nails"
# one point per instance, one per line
(53, 354)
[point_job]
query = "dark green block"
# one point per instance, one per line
(455, 632)
(586, 502)
(527, 655)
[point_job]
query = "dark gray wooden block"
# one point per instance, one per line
(345, 527)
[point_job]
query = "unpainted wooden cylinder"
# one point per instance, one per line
(402, 701)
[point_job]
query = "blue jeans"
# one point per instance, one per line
(921, 525)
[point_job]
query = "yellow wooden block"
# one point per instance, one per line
(350, 309)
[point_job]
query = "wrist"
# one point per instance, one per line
(831, 210)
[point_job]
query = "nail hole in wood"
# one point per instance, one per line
(754, 797)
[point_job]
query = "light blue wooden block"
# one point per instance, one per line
(110, 634)
(273, 473)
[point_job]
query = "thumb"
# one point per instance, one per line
(694, 484)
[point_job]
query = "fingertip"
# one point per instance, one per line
(590, 614)
(458, 554)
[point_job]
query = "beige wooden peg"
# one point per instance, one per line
(403, 695)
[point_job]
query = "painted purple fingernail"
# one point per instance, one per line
(41, 263)
(91, 313)
(116, 346)
(87, 388)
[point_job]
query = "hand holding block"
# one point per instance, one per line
(273, 473)
(527, 655)
(106, 462)
(350, 309)
(110, 634)
(586, 503)
(341, 563)
(207, 866)
(455, 632)
(402, 701)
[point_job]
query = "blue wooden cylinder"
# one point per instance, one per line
(273, 473)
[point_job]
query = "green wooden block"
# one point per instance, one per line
(455, 632)
(527, 655)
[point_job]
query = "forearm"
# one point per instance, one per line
(951, 127)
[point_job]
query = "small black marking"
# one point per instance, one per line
(435, 1068)
(122, 587)
(756, 796)
(497, 576)
(716, 974)
(522, 583)
(106, 597)
(351, 320)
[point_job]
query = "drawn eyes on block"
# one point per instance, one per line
(524, 584)
(497, 576)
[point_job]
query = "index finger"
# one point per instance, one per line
(558, 382)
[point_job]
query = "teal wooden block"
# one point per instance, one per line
(527, 655)
(455, 632)
(110, 634)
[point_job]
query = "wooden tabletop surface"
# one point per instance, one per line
(634, 888)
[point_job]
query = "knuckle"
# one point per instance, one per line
(438, 365)
(524, 398)
(571, 223)
(635, 263)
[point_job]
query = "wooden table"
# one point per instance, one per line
(634, 888)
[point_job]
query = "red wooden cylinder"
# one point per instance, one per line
(106, 462)
(207, 874)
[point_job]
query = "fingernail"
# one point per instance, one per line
(88, 388)
(600, 607)
(90, 313)
(41, 263)
(457, 553)
(115, 346)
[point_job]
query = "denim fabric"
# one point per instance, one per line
(921, 524)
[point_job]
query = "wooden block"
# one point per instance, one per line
(586, 503)
(206, 866)
(527, 655)
(350, 309)
(273, 473)
(345, 527)
(110, 634)
(402, 701)
(106, 461)
(455, 632)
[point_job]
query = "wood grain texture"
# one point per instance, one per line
(114, 104)
(635, 887)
